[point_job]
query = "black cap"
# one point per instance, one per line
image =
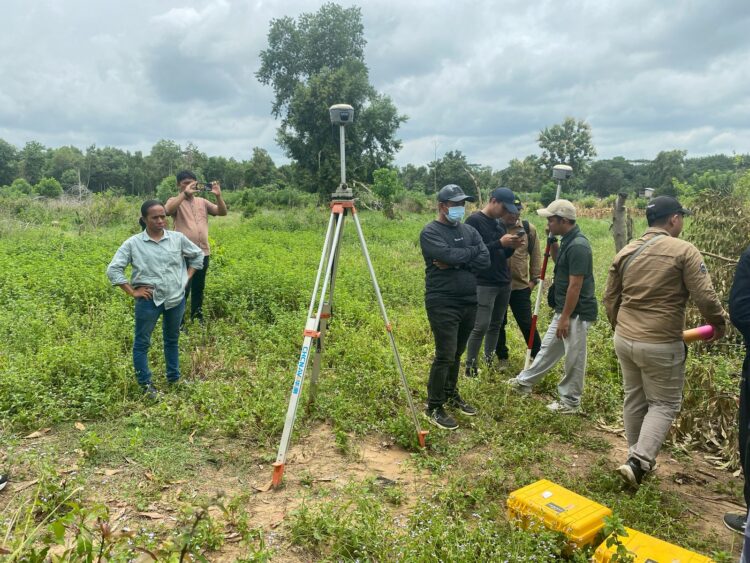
(662, 206)
(507, 198)
(452, 192)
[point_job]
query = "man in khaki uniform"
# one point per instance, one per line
(648, 286)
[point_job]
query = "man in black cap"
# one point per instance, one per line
(451, 251)
(493, 284)
(648, 286)
(525, 269)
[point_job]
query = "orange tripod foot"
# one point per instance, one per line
(421, 435)
(278, 474)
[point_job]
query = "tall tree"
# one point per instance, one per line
(192, 158)
(8, 163)
(454, 168)
(567, 143)
(164, 160)
(313, 63)
(298, 50)
(62, 159)
(604, 178)
(524, 175)
(666, 167)
(32, 159)
(416, 178)
(261, 169)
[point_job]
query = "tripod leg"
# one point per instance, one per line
(421, 434)
(319, 348)
(311, 333)
(334, 248)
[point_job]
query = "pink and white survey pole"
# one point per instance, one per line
(560, 172)
(704, 332)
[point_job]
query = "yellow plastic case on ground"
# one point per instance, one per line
(558, 509)
(648, 549)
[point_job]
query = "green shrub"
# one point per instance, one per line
(49, 187)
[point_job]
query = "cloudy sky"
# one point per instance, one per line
(477, 76)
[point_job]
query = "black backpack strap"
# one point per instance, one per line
(526, 228)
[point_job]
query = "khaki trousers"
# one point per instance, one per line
(652, 376)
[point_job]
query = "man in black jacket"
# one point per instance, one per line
(493, 283)
(451, 252)
(739, 314)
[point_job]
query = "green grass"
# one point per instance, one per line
(65, 340)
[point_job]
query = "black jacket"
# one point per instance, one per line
(459, 246)
(739, 297)
(491, 230)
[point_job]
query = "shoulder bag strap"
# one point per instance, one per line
(640, 249)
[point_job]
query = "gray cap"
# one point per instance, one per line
(452, 192)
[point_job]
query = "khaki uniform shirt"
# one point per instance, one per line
(526, 263)
(191, 219)
(648, 304)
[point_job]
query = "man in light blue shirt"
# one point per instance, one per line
(157, 283)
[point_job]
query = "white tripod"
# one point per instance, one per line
(342, 204)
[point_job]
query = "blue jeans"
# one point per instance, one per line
(146, 315)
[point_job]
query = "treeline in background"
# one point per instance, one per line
(38, 171)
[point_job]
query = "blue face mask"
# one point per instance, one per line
(455, 214)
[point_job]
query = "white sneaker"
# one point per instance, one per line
(518, 387)
(3, 482)
(562, 408)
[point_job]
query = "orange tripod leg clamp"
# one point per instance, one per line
(421, 435)
(278, 474)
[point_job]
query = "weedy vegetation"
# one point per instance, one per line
(99, 473)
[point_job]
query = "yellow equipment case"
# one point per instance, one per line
(558, 509)
(648, 549)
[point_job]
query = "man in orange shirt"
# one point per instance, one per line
(190, 215)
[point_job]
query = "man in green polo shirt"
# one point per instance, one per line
(575, 311)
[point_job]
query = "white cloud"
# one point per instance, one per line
(478, 76)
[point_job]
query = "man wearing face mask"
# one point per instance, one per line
(452, 251)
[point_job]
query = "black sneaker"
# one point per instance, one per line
(3, 481)
(472, 370)
(735, 522)
(632, 472)
(440, 418)
(151, 392)
(464, 408)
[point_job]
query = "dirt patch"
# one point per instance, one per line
(704, 488)
(314, 461)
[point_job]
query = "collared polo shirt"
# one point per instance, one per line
(191, 219)
(158, 264)
(576, 259)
